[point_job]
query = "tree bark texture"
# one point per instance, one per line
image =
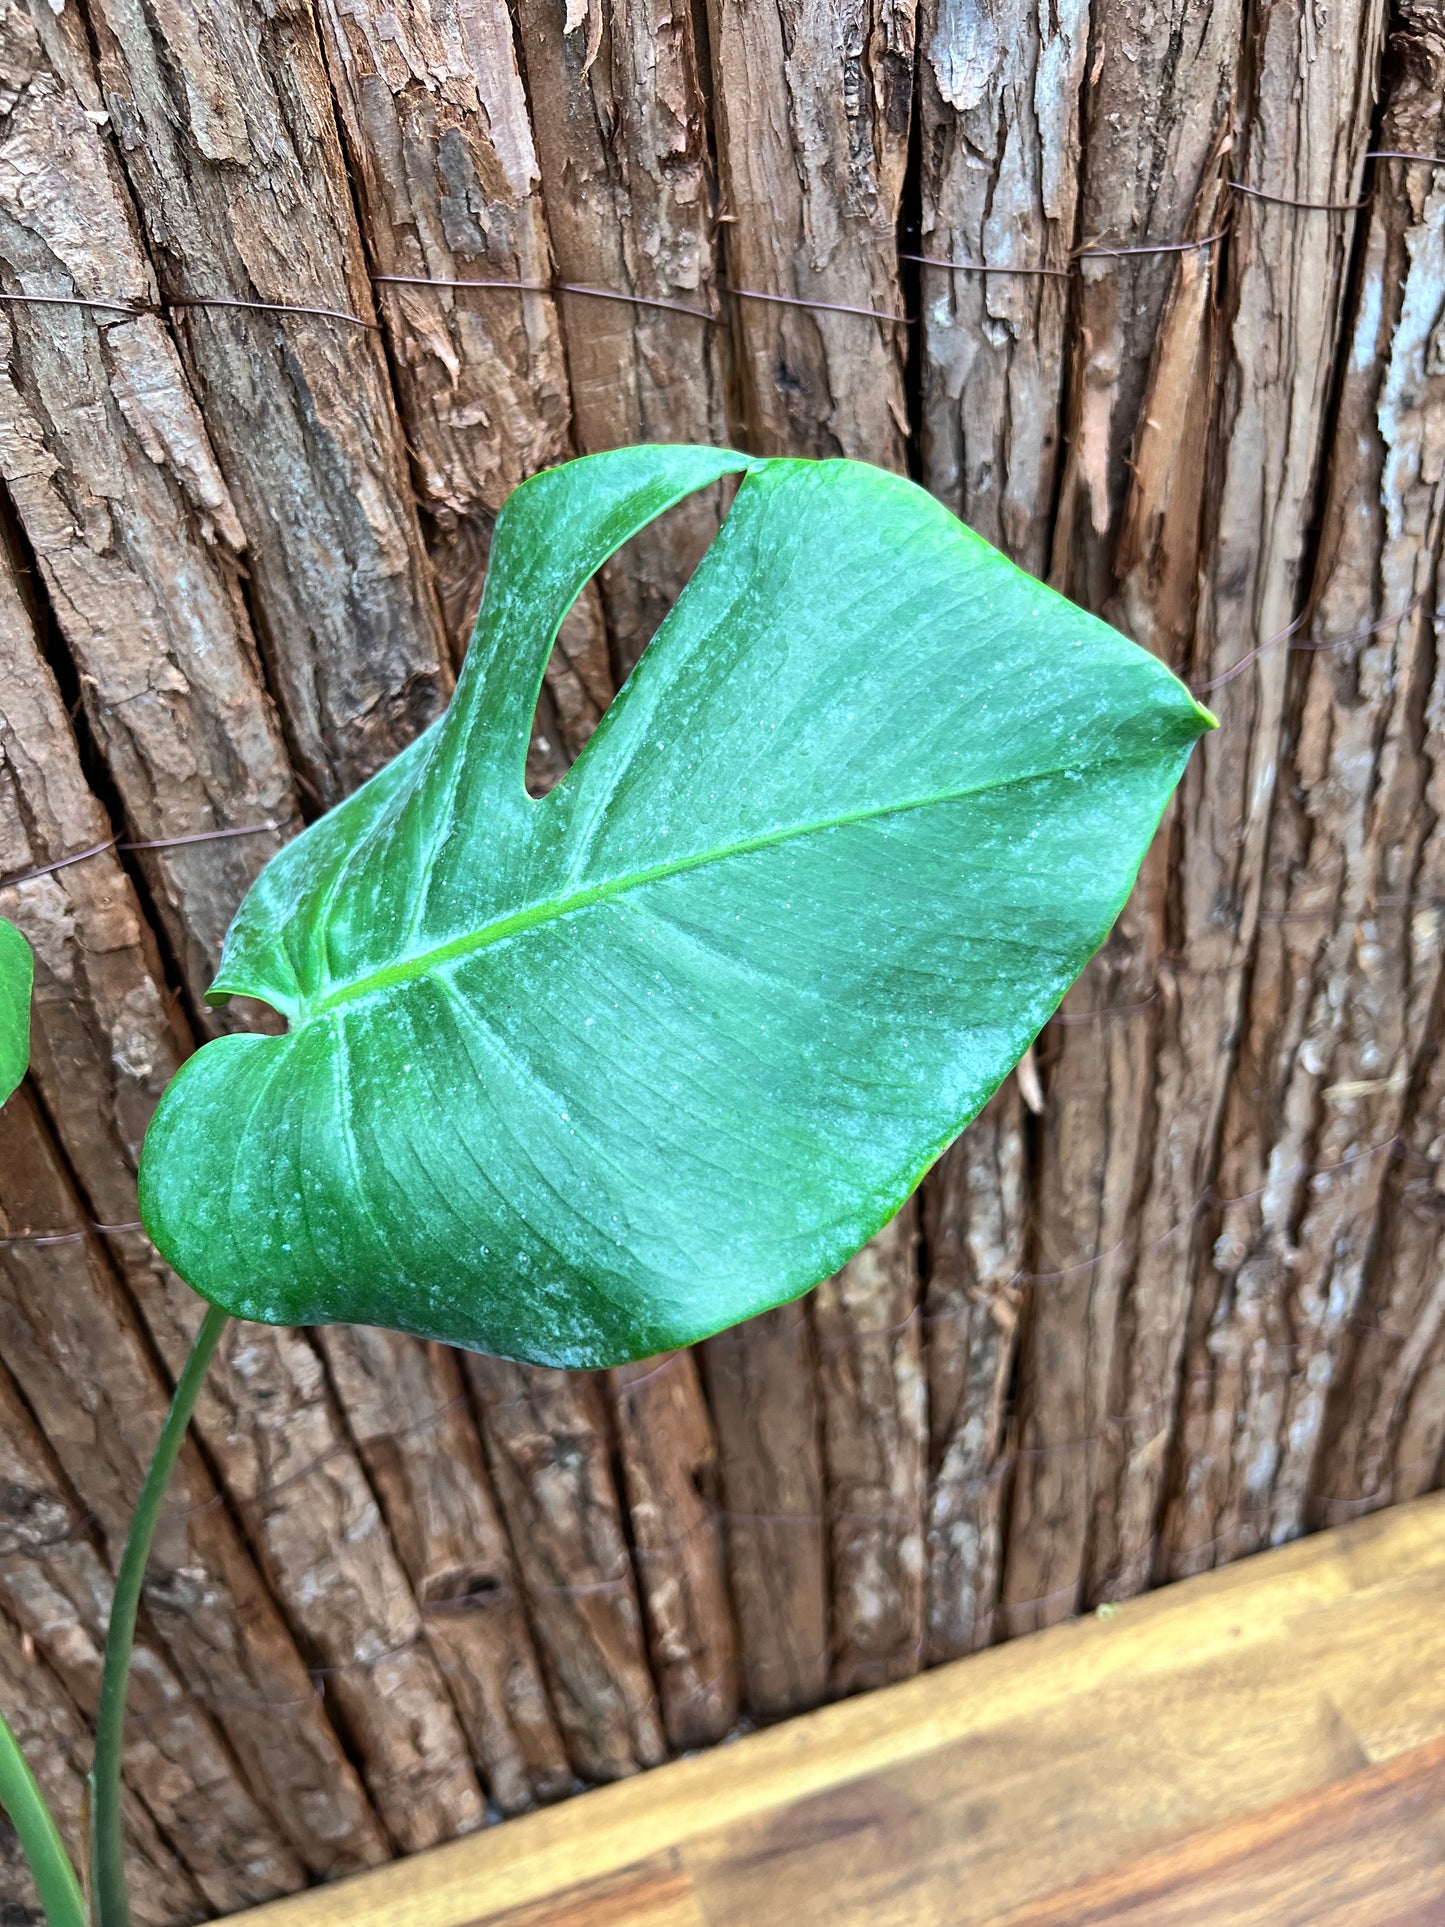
(53, 1734)
(291, 298)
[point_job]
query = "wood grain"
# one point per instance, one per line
(1369, 1848)
(1312, 1675)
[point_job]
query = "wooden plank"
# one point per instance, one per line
(1265, 1680)
(656, 1893)
(1371, 1847)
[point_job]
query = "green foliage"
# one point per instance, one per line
(17, 969)
(23, 1804)
(577, 1079)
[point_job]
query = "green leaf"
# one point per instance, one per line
(17, 970)
(577, 1079)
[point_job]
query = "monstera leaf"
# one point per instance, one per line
(16, 972)
(576, 1079)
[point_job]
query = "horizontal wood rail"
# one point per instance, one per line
(1263, 1743)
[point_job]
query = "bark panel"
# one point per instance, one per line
(54, 1739)
(812, 107)
(1351, 1280)
(109, 468)
(545, 1434)
(974, 1228)
(444, 162)
(406, 1408)
(105, 1045)
(56, 1589)
(1307, 126)
(69, 1337)
(866, 1325)
(618, 112)
(669, 1457)
(762, 1386)
(1158, 96)
(998, 100)
(228, 135)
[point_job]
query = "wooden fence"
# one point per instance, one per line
(1154, 296)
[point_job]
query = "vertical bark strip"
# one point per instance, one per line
(444, 162)
(812, 108)
(974, 1228)
(105, 1042)
(53, 1735)
(109, 468)
(105, 1045)
(297, 1483)
(1314, 81)
(1097, 1116)
(669, 1458)
(546, 1438)
(1346, 1287)
(1386, 1430)
(866, 1327)
(55, 1587)
(1158, 95)
(406, 1408)
(998, 93)
(762, 1387)
(618, 111)
(227, 131)
(1132, 1089)
(68, 1336)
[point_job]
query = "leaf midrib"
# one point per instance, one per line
(409, 969)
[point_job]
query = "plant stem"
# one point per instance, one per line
(107, 1868)
(55, 1880)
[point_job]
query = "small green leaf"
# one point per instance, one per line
(577, 1079)
(17, 971)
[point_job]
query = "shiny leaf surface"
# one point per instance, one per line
(578, 1079)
